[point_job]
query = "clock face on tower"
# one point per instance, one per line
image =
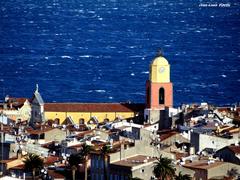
(161, 69)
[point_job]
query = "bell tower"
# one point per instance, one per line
(159, 89)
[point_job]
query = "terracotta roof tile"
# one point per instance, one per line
(51, 159)
(39, 131)
(93, 107)
(16, 102)
(222, 109)
(235, 149)
(167, 135)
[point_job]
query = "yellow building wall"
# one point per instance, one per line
(160, 77)
(87, 115)
(76, 116)
(103, 115)
(54, 115)
(125, 114)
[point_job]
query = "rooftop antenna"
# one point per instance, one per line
(159, 52)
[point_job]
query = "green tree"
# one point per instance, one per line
(104, 151)
(84, 152)
(181, 176)
(33, 163)
(164, 168)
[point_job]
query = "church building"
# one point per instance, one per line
(159, 93)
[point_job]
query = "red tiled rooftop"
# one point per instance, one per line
(235, 149)
(93, 107)
(84, 133)
(19, 100)
(51, 159)
(14, 103)
(222, 109)
(167, 135)
(39, 131)
(179, 155)
(6, 129)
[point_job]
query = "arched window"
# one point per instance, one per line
(81, 121)
(57, 121)
(161, 96)
(106, 120)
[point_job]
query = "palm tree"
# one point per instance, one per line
(104, 151)
(33, 163)
(180, 176)
(73, 161)
(164, 168)
(84, 157)
(232, 173)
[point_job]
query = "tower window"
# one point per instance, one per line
(161, 96)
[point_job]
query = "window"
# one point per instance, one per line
(161, 96)
(81, 121)
(106, 120)
(57, 121)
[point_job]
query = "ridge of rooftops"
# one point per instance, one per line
(93, 107)
(80, 107)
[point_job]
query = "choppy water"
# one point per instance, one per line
(99, 51)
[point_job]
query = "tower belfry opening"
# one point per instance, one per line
(159, 91)
(161, 96)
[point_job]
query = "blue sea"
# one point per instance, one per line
(100, 50)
